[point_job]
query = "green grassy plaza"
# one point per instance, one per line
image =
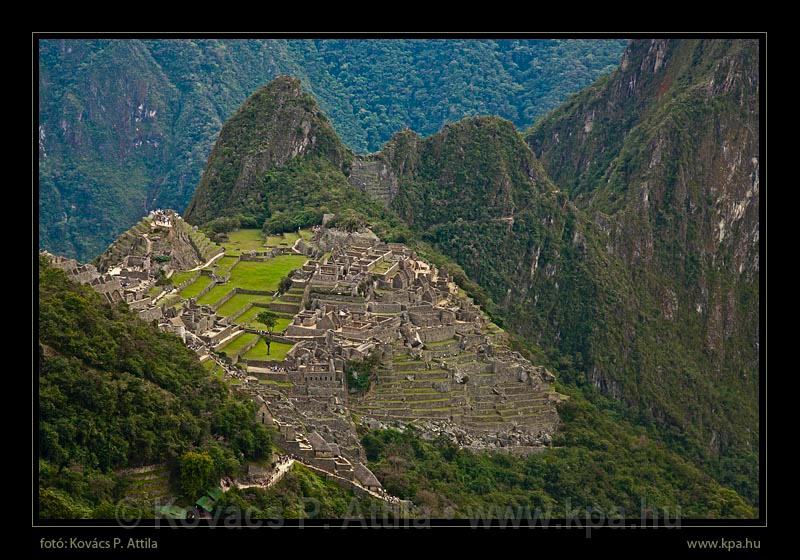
(240, 300)
(243, 240)
(238, 343)
(277, 351)
(249, 318)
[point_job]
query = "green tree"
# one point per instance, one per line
(197, 471)
(269, 319)
(350, 220)
(359, 373)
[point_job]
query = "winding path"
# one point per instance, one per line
(280, 470)
(211, 260)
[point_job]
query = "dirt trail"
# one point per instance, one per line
(211, 260)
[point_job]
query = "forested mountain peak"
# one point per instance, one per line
(276, 124)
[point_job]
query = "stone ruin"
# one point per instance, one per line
(443, 368)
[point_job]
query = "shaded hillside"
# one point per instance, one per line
(127, 125)
(600, 463)
(275, 125)
(663, 155)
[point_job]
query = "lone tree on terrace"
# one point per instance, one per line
(269, 319)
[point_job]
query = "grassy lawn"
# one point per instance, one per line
(249, 318)
(223, 265)
(283, 240)
(215, 294)
(259, 351)
(238, 343)
(382, 267)
(180, 277)
(240, 300)
(253, 239)
(267, 275)
(171, 300)
(250, 275)
(244, 240)
(195, 287)
(213, 367)
(440, 343)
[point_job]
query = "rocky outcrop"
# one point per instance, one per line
(177, 243)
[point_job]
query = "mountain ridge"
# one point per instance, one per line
(100, 175)
(476, 192)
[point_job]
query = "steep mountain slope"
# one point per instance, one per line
(610, 279)
(127, 125)
(276, 124)
(663, 155)
(600, 462)
(103, 139)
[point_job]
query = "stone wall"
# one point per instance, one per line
(224, 333)
(375, 177)
(436, 334)
(225, 299)
(151, 314)
(274, 337)
(378, 307)
(244, 350)
(253, 292)
(283, 307)
(281, 376)
(205, 290)
(233, 316)
(300, 331)
(351, 306)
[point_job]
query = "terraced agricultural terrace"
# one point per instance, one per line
(243, 283)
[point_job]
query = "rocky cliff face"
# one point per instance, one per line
(93, 183)
(157, 236)
(662, 156)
